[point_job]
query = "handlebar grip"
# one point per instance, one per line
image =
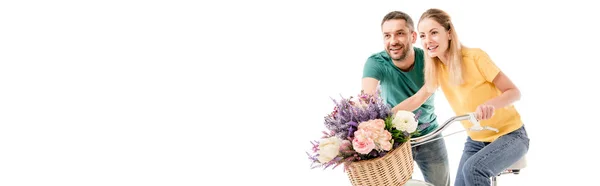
(476, 126)
(474, 121)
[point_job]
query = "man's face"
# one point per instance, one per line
(397, 38)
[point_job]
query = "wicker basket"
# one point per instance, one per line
(395, 168)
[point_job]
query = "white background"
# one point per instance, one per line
(231, 93)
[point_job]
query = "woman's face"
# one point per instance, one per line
(434, 38)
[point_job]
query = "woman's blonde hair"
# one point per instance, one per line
(433, 64)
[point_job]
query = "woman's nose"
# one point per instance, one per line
(426, 40)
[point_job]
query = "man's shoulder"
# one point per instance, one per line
(376, 65)
(418, 51)
(419, 55)
(380, 57)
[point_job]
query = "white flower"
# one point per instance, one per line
(405, 121)
(329, 148)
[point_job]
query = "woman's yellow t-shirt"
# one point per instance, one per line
(478, 73)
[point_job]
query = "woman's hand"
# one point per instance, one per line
(484, 112)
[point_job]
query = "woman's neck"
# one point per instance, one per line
(444, 59)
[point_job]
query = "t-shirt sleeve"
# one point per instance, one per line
(373, 68)
(486, 66)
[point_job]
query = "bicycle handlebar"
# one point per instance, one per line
(471, 117)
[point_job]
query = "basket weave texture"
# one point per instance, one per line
(395, 168)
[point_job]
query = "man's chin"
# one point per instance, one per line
(398, 57)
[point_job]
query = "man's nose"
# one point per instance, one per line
(394, 41)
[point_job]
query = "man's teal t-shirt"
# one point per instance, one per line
(397, 85)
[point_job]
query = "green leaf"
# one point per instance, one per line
(416, 133)
(388, 123)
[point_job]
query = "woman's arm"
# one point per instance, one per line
(413, 102)
(510, 92)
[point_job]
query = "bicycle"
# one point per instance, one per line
(513, 169)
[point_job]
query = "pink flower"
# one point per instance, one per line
(375, 131)
(363, 143)
(384, 140)
(365, 133)
(375, 126)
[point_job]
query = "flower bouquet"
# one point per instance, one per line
(369, 140)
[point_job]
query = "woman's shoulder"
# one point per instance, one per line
(472, 52)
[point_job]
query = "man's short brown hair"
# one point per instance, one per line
(399, 15)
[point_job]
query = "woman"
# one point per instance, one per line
(473, 83)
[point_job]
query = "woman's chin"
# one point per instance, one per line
(432, 54)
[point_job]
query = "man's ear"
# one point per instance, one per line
(414, 37)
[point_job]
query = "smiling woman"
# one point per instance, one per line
(438, 36)
(472, 82)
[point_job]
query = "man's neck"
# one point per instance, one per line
(408, 62)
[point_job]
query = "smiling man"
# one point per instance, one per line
(398, 71)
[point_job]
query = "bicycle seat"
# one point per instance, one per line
(413, 182)
(516, 167)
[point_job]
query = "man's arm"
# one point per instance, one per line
(414, 102)
(369, 85)
(372, 74)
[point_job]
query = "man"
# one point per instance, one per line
(398, 70)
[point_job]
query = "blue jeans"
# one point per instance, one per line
(432, 159)
(481, 160)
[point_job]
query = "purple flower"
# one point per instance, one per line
(352, 126)
(418, 114)
(423, 126)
